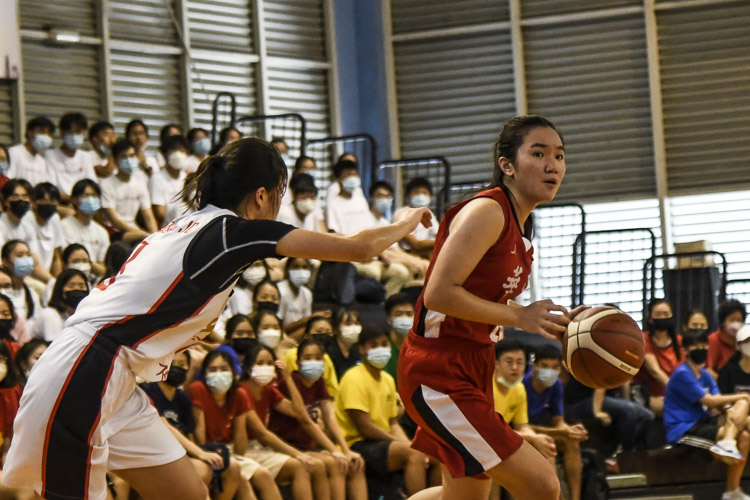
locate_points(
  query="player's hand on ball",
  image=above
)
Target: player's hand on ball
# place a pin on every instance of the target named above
(575, 312)
(413, 216)
(540, 317)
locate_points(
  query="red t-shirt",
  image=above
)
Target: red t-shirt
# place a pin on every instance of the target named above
(719, 351)
(269, 397)
(9, 398)
(667, 360)
(501, 274)
(218, 418)
(286, 427)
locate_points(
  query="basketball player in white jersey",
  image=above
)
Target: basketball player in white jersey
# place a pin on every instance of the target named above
(81, 412)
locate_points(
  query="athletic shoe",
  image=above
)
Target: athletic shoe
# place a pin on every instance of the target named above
(737, 494)
(727, 448)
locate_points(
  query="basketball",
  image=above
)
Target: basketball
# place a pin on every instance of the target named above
(603, 347)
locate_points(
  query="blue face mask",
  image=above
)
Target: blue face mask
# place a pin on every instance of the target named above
(41, 142)
(202, 146)
(4, 166)
(128, 165)
(351, 184)
(23, 266)
(547, 376)
(311, 369)
(382, 205)
(104, 150)
(90, 205)
(73, 141)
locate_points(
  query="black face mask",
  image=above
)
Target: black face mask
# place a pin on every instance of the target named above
(697, 331)
(243, 344)
(324, 339)
(176, 376)
(268, 306)
(19, 207)
(6, 325)
(663, 323)
(46, 210)
(74, 297)
(698, 356)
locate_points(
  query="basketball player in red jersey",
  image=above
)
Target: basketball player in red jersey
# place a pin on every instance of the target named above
(482, 260)
(82, 413)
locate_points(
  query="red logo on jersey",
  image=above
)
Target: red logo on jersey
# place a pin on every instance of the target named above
(164, 372)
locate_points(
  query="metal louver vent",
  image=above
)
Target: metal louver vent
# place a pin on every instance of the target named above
(421, 15)
(295, 28)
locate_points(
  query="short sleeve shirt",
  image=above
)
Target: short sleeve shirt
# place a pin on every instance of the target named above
(543, 405)
(24, 165)
(719, 351)
(165, 191)
(178, 411)
(294, 307)
(286, 427)
(512, 406)
(329, 371)
(127, 198)
(269, 398)
(218, 418)
(67, 170)
(732, 378)
(49, 237)
(682, 406)
(93, 236)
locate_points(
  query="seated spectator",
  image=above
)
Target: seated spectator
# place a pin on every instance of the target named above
(68, 163)
(241, 301)
(286, 463)
(240, 335)
(220, 410)
(136, 133)
(4, 165)
(296, 299)
(422, 240)
(82, 228)
(734, 377)
(8, 321)
(268, 331)
(318, 328)
(343, 350)
(101, 137)
(696, 414)
(226, 135)
(367, 411)
(695, 320)
(663, 352)
(124, 196)
(76, 257)
(16, 223)
(345, 468)
(167, 131)
(304, 165)
(200, 145)
(10, 396)
(347, 211)
(166, 184)
(175, 407)
(27, 356)
(722, 344)
(266, 296)
(71, 287)
(19, 263)
(47, 225)
(304, 210)
(544, 393)
(400, 311)
(27, 160)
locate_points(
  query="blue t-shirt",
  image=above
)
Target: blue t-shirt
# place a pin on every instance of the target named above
(178, 411)
(682, 406)
(543, 405)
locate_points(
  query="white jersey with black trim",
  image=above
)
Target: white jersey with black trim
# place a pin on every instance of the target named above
(169, 293)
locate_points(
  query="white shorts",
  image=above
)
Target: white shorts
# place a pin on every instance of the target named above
(81, 415)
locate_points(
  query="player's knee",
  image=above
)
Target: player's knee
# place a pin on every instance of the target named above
(549, 487)
(195, 490)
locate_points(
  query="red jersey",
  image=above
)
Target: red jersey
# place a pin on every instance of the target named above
(218, 419)
(719, 351)
(269, 398)
(667, 359)
(500, 275)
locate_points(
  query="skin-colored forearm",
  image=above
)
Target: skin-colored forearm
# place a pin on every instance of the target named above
(191, 448)
(598, 400)
(377, 240)
(332, 425)
(717, 400)
(456, 301)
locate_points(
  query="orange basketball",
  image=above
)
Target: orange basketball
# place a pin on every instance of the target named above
(603, 347)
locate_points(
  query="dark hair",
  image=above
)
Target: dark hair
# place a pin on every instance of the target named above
(120, 147)
(419, 182)
(511, 138)
(371, 332)
(258, 317)
(5, 148)
(117, 253)
(397, 299)
(23, 354)
(69, 120)
(9, 303)
(187, 355)
(688, 315)
(80, 186)
(172, 143)
(164, 132)
(40, 122)
(238, 170)
(547, 351)
(342, 165)
(278, 140)
(672, 331)
(135, 122)
(232, 324)
(56, 299)
(73, 247)
(99, 127)
(289, 261)
(252, 357)
(380, 184)
(338, 319)
(9, 246)
(5, 253)
(241, 281)
(224, 133)
(508, 345)
(314, 319)
(219, 353)
(730, 306)
(12, 184)
(302, 159)
(43, 189)
(345, 154)
(303, 183)
(308, 342)
(693, 337)
(11, 378)
(193, 132)
(263, 282)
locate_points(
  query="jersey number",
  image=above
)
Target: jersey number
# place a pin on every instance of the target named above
(106, 283)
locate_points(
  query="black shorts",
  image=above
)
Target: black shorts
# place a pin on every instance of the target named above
(375, 454)
(706, 428)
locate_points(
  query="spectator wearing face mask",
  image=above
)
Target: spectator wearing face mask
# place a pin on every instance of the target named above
(240, 335)
(304, 210)
(27, 356)
(400, 311)
(71, 287)
(722, 344)
(200, 145)
(269, 332)
(422, 240)
(68, 163)
(83, 228)
(168, 130)
(136, 132)
(735, 375)
(101, 137)
(344, 352)
(347, 211)
(27, 159)
(74, 256)
(46, 223)
(295, 299)
(166, 184)
(266, 296)
(8, 320)
(19, 263)
(318, 328)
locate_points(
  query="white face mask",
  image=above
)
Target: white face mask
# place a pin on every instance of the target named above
(254, 275)
(350, 333)
(219, 382)
(351, 183)
(420, 200)
(270, 337)
(402, 324)
(299, 277)
(732, 328)
(305, 206)
(502, 381)
(178, 160)
(547, 376)
(263, 374)
(84, 267)
(379, 357)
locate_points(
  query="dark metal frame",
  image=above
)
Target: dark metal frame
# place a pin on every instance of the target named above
(443, 194)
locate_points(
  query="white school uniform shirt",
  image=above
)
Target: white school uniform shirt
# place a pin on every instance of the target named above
(311, 222)
(49, 237)
(348, 216)
(127, 198)
(65, 171)
(24, 165)
(48, 325)
(92, 236)
(95, 160)
(170, 292)
(421, 232)
(192, 164)
(25, 231)
(165, 191)
(294, 307)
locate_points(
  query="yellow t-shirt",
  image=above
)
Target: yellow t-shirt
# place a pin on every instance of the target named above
(329, 372)
(512, 406)
(358, 390)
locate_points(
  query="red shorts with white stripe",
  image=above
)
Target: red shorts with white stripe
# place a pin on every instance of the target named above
(446, 387)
